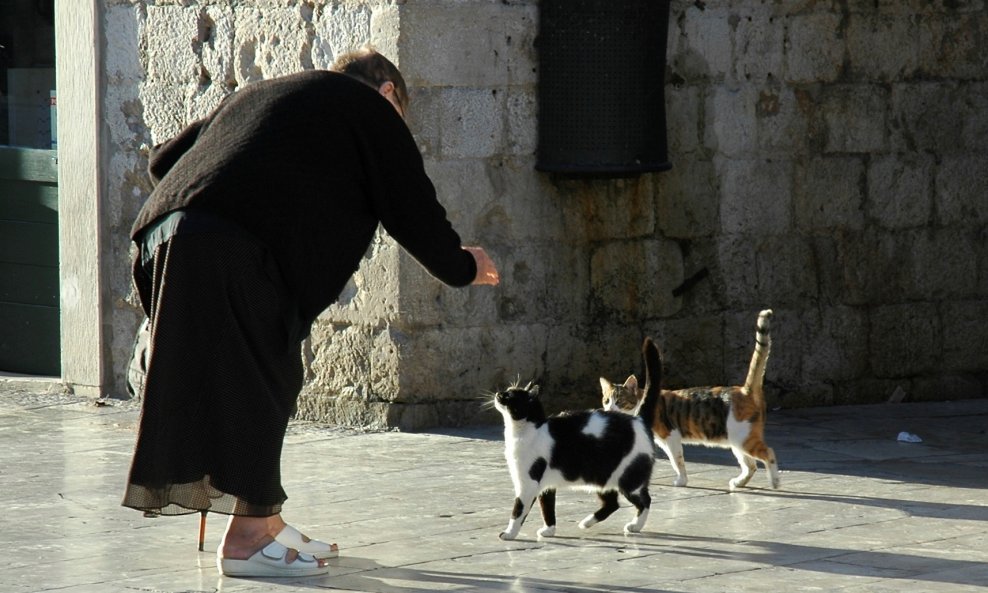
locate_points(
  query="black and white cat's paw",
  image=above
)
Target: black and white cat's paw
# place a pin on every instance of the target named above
(588, 522)
(632, 527)
(547, 531)
(507, 536)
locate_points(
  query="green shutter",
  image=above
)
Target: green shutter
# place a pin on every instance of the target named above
(29, 325)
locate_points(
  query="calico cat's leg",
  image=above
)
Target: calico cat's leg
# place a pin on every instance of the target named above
(672, 446)
(748, 468)
(523, 504)
(642, 502)
(766, 455)
(609, 504)
(547, 502)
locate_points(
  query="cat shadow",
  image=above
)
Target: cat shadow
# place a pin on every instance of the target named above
(914, 508)
(874, 563)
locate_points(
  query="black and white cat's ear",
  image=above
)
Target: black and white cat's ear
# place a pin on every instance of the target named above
(631, 382)
(532, 388)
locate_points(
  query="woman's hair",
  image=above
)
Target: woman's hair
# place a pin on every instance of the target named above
(372, 68)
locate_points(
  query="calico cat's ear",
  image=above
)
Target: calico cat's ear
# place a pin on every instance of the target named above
(631, 382)
(605, 385)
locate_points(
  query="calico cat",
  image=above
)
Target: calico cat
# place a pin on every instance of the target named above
(609, 452)
(730, 417)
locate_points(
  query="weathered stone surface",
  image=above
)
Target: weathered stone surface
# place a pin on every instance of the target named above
(755, 195)
(961, 190)
(635, 280)
(815, 49)
(828, 194)
(903, 340)
(899, 188)
(829, 162)
(855, 118)
(965, 336)
(688, 200)
(883, 47)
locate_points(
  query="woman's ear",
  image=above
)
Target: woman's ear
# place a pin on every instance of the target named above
(386, 88)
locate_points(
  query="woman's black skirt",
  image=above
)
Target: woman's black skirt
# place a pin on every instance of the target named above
(223, 376)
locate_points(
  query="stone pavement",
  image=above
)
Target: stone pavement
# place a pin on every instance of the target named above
(857, 512)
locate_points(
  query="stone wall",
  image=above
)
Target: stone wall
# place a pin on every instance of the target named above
(827, 164)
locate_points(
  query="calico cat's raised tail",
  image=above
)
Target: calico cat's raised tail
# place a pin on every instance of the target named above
(610, 452)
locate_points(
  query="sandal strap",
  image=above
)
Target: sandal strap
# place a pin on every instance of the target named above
(292, 538)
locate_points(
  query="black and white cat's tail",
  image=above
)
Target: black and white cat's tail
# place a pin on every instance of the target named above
(759, 358)
(653, 381)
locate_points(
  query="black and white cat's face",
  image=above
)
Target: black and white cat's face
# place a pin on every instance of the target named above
(520, 403)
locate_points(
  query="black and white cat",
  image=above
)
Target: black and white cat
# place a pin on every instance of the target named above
(609, 452)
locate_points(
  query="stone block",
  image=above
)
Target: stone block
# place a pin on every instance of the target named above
(269, 42)
(337, 29)
(855, 118)
(371, 296)
(521, 108)
(961, 190)
(698, 45)
(599, 209)
(730, 121)
(755, 196)
(693, 351)
(759, 43)
(342, 362)
(815, 48)
(465, 190)
(972, 106)
(468, 43)
(462, 364)
(899, 190)
(425, 107)
(578, 355)
(635, 280)
(882, 47)
(683, 108)
(829, 194)
(965, 335)
(939, 117)
(164, 110)
(954, 46)
(123, 27)
(782, 122)
(909, 265)
(946, 388)
(765, 271)
(868, 391)
(942, 264)
(871, 267)
(471, 123)
(170, 36)
(835, 343)
(904, 340)
(385, 30)
(688, 200)
(215, 46)
(526, 207)
(805, 395)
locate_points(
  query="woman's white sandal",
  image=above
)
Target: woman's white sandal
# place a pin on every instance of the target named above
(269, 561)
(293, 538)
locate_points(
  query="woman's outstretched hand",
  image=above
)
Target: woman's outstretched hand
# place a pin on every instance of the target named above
(486, 270)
